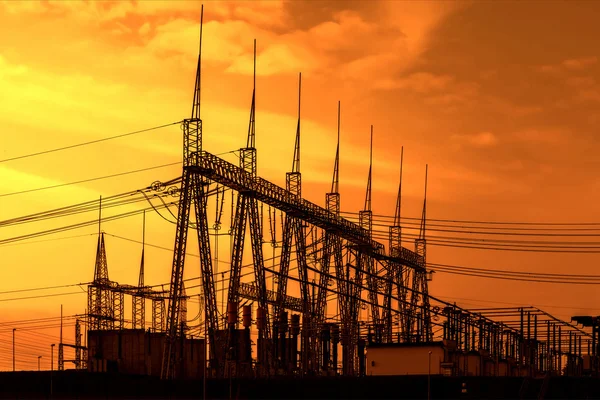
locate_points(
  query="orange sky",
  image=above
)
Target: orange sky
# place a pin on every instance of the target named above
(500, 99)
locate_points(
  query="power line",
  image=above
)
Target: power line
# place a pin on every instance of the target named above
(525, 273)
(480, 232)
(111, 201)
(503, 247)
(93, 205)
(86, 223)
(508, 278)
(522, 304)
(74, 226)
(50, 240)
(516, 249)
(416, 225)
(485, 222)
(37, 327)
(41, 296)
(87, 143)
(89, 180)
(383, 233)
(27, 321)
(148, 244)
(42, 288)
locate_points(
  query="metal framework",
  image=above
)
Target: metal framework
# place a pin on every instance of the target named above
(247, 211)
(418, 317)
(192, 192)
(106, 298)
(293, 229)
(527, 339)
(80, 360)
(332, 252)
(395, 274)
(390, 287)
(357, 258)
(100, 294)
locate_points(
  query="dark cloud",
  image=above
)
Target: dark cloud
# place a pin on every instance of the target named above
(306, 15)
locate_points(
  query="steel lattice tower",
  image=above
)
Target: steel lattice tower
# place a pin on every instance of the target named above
(366, 222)
(332, 248)
(420, 295)
(247, 211)
(100, 296)
(193, 186)
(293, 229)
(395, 271)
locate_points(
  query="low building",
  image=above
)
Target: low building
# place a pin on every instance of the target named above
(470, 363)
(139, 352)
(405, 358)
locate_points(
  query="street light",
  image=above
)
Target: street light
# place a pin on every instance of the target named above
(14, 329)
(429, 378)
(39, 358)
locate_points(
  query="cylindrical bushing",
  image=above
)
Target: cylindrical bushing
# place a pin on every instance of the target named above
(260, 318)
(231, 313)
(247, 316)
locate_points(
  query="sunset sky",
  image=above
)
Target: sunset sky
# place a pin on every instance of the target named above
(500, 99)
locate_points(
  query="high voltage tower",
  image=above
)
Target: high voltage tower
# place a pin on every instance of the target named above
(315, 238)
(106, 298)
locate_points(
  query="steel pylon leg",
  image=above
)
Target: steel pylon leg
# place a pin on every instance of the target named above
(208, 285)
(183, 218)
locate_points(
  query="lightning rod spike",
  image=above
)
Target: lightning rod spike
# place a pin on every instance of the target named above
(336, 166)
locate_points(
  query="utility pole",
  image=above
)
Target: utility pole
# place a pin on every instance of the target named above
(51, 365)
(61, 358)
(14, 329)
(429, 378)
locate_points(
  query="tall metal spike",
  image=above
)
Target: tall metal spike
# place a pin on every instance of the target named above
(296, 163)
(100, 270)
(101, 267)
(248, 154)
(399, 200)
(197, 86)
(251, 142)
(335, 184)
(368, 195)
(294, 178)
